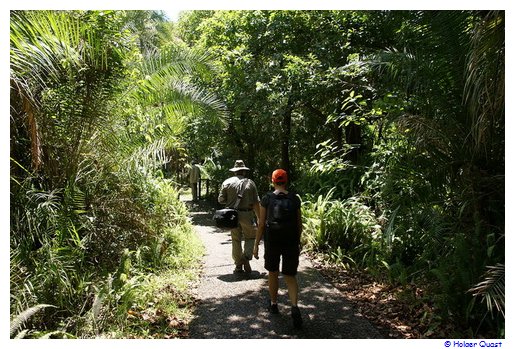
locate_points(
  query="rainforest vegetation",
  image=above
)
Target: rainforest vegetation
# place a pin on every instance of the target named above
(390, 123)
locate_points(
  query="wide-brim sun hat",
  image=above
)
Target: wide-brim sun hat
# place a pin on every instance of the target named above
(238, 166)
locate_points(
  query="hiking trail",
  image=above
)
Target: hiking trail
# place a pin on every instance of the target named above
(235, 305)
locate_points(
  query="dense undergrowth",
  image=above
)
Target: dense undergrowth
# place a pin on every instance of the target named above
(132, 284)
(98, 237)
(425, 285)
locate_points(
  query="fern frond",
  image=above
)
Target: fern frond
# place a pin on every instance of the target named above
(25, 316)
(21, 334)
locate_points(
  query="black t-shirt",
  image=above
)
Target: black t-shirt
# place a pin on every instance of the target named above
(288, 235)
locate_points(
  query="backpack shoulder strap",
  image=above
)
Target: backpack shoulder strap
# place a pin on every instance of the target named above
(241, 187)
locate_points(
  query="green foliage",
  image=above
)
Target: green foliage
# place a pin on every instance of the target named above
(347, 229)
(420, 175)
(493, 289)
(390, 123)
(92, 124)
(63, 272)
(125, 301)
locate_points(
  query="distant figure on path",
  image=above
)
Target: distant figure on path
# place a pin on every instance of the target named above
(280, 222)
(248, 211)
(194, 176)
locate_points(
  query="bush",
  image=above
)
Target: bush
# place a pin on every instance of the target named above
(348, 226)
(91, 262)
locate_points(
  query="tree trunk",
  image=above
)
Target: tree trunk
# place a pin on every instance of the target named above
(353, 137)
(285, 138)
(337, 131)
(35, 140)
(248, 153)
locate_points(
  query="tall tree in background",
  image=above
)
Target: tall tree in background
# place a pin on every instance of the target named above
(282, 76)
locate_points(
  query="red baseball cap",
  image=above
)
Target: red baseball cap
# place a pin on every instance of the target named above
(279, 176)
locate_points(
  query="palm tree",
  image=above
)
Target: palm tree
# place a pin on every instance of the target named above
(50, 49)
(82, 100)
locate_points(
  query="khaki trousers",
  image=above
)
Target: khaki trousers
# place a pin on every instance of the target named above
(194, 191)
(246, 233)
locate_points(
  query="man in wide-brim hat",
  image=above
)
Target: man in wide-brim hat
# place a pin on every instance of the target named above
(239, 165)
(248, 211)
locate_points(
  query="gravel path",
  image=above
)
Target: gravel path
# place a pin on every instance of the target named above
(234, 305)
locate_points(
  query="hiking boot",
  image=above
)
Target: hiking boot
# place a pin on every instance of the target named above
(238, 269)
(246, 265)
(273, 308)
(297, 319)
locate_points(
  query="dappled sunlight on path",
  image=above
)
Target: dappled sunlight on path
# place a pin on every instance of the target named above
(234, 305)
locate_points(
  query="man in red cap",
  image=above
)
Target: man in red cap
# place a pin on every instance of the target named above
(280, 222)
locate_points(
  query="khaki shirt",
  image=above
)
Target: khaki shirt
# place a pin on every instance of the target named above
(229, 193)
(194, 174)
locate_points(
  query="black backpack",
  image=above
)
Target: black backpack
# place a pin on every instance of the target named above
(282, 214)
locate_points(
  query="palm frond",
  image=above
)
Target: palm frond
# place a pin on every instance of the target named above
(485, 81)
(492, 288)
(168, 81)
(427, 135)
(45, 45)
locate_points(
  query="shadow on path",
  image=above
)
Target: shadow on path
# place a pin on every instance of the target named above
(201, 213)
(234, 305)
